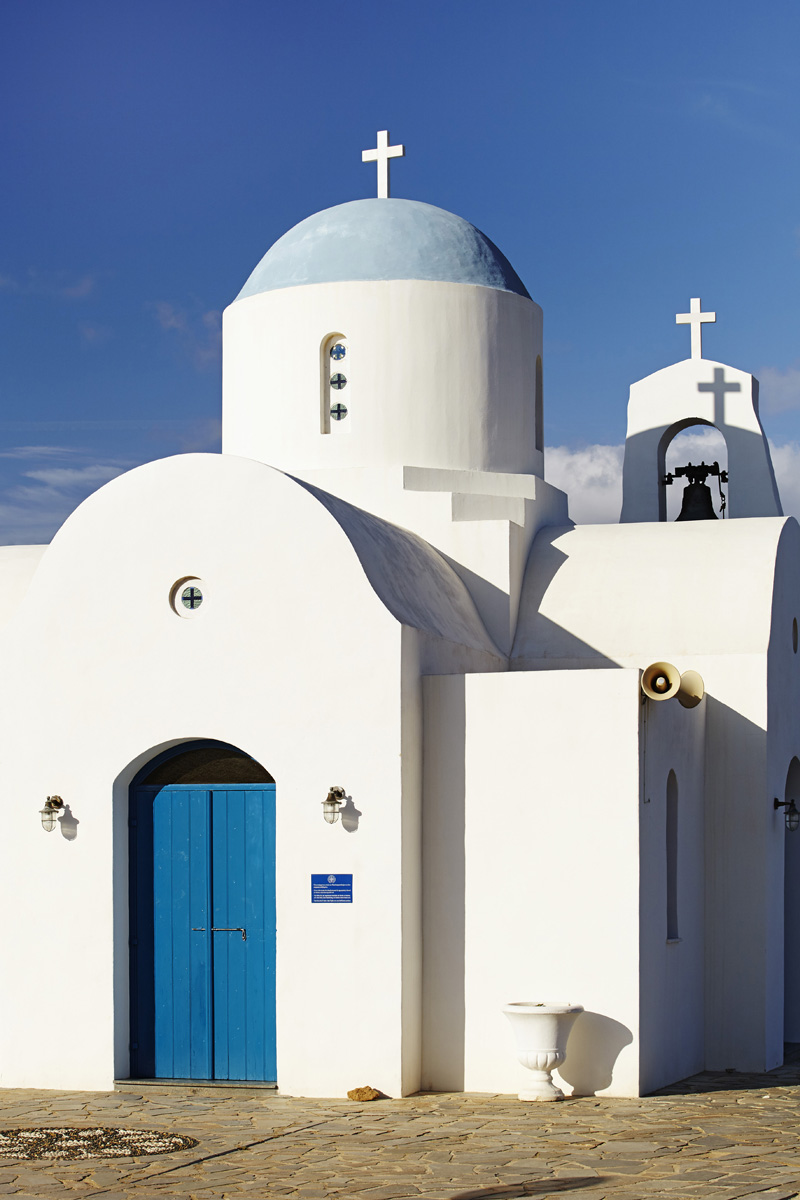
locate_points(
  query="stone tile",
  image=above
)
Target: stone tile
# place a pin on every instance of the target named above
(696, 1144)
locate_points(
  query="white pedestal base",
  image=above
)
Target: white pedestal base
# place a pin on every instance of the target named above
(541, 1031)
(542, 1088)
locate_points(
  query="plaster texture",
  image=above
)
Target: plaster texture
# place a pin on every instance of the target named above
(531, 850)
(383, 238)
(395, 602)
(220, 675)
(410, 400)
(17, 567)
(697, 391)
(731, 597)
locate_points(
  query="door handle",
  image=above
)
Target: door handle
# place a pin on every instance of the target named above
(230, 929)
(222, 929)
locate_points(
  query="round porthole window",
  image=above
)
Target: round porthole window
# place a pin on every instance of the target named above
(338, 381)
(338, 351)
(187, 596)
(191, 597)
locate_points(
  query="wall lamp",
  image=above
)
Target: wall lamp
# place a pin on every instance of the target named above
(791, 813)
(49, 813)
(332, 804)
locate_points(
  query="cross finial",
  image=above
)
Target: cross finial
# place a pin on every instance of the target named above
(696, 319)
(381, 155)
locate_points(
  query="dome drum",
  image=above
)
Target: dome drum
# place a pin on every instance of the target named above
(437, 374)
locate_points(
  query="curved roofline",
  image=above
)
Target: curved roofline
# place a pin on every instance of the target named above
(369, 240)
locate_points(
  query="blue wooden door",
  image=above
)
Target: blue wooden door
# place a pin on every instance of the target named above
(203, 932)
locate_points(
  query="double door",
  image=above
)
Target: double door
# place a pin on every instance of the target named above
(202, 932)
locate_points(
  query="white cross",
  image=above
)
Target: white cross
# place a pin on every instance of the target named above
(381, 155)
(697, 320)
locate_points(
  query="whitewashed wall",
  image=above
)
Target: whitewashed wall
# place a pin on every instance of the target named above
(783, 745)
(700, 595)
(484, 522)
(531, 867)
(294, 659)
(439, 375)
(672, 979)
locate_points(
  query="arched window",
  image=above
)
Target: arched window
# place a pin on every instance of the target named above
(539, 402)
(334, 373)
(672, 857)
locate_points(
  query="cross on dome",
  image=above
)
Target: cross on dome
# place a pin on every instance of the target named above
(381, 155)
(696, 319)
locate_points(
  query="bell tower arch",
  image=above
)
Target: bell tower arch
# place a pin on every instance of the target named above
(696, 391)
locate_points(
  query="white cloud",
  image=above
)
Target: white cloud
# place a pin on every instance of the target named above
(54, 284)
(713, 106)
(80, 478)
(786, 461)
(592, 475)
(199, 333)
(170, 317)
(697, 445)
(93, 335)
(592, 478)
(41, 485)
(204, 434)
(38, 452)
(779, 390)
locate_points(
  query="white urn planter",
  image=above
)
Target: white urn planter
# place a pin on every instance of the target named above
(541, 1031)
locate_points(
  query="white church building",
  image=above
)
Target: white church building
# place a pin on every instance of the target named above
(373, 592)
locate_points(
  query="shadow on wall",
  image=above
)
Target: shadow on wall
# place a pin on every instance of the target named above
(68, 824)
(443, 887)
(540, 643)
(791, 900)
(350, 816)
(592, 1051)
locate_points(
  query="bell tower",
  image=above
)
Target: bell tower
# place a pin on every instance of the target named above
(697, 391)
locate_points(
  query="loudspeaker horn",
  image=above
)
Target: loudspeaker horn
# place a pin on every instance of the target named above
(662, 681)
(691, 691)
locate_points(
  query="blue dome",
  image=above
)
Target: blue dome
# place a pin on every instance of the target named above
(383, 239)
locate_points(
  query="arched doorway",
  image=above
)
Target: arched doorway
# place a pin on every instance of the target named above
(202, 916)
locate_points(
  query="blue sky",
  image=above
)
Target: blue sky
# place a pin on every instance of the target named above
(624, 156)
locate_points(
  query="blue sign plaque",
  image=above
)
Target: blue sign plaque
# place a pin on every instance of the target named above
(331, 889)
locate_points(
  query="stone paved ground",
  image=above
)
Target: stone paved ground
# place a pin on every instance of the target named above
(717, 1137)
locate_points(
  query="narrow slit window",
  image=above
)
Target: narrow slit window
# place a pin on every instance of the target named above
(672, 858)
(334, 382)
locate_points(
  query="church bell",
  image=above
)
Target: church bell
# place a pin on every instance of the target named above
(697, 503)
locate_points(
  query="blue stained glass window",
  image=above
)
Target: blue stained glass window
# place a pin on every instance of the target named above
(338, 351)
